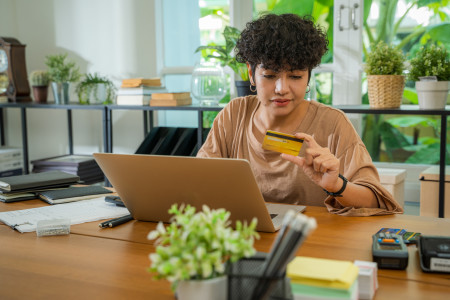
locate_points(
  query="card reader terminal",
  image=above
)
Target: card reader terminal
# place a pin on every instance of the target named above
(389, 251)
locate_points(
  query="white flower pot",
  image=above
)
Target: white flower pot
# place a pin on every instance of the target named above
(216, 288)
(432, 94)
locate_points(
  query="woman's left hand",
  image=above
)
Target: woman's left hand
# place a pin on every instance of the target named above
(319, 164)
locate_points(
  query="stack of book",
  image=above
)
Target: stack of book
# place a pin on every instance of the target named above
(138, 91)
(11, 161)
(171, 99)
(318, 278)
(84, 166)
(25, 187)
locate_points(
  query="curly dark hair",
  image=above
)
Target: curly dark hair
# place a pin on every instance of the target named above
(280, 41)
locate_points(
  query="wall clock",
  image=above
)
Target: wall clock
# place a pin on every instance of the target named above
(13, 71)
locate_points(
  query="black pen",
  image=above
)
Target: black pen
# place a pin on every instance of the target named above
(116, 222)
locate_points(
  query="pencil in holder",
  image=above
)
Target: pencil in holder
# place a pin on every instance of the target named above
(245, 281)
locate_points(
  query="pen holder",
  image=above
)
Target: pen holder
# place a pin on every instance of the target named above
(244, 276)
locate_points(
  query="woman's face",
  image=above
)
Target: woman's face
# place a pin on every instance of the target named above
(280, 92)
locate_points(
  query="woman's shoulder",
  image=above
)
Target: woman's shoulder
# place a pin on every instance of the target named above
(241, 105)
(243, 102)
(324, 109)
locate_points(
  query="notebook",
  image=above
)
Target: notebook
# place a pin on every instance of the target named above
(37, 181)
(149, 185)
(73, 193)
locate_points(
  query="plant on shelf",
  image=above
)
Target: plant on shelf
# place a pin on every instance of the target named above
(95, 89)
(225, 55)
(39, 78)
(430, 69)
(39, 81)
(196, 247)
(384, 67)
(61, 73)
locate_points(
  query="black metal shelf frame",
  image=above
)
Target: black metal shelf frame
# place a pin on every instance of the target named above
(107, 112)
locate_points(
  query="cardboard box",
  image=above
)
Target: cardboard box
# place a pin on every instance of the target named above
(394, 181)
(429, 192)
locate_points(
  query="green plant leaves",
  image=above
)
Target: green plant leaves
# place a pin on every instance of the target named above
(440, 32)
(197, 245)
(61, 70)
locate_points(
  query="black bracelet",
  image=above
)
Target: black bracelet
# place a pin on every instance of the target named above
(338, 193)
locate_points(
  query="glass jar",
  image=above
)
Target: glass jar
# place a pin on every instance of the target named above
(208, 83)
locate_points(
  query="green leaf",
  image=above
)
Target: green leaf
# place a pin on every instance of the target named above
(409, 121)
(422, 3)
(371, 136)
(392, 137)
(440, 32)
(301, 8)
(427, 155)
(411, 95)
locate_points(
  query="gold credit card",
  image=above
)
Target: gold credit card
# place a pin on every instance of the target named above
(282, 142)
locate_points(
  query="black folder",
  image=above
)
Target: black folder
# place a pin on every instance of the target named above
(73, 194)
(37, 181)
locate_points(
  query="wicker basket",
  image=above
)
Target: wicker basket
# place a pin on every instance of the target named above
(385, 91)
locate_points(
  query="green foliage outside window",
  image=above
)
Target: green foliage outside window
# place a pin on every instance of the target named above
(400, 139)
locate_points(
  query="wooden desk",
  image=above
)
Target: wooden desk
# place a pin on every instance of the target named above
(111, 263)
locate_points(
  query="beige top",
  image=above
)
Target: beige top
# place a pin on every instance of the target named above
(233, 135)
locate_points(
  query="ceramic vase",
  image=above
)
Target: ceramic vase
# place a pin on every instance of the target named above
(243, 88)
(432, 94)
(40, 93)
(215, 288)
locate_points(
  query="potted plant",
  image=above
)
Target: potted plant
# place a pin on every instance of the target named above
(39, 80)
(430, 69)
(61, 73)
(193, 251)
(95, 89)
(225, 54)
(384, 68)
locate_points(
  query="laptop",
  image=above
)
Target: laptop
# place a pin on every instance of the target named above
(148, 185)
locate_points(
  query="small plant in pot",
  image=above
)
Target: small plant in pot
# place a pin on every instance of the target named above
(95, 89)
(225, 55)
(430, 69)
(384, 68)
(39, 81)
(194, 250)
(61, 73)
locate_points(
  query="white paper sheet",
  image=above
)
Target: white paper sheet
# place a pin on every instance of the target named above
(77, 212)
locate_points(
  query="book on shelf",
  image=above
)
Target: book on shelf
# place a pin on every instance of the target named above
(13, 172)
(83, 166)
(142, 90)
(133, 99)
(11, 165)
(170, 102)
(66, 160)
(171, 96)
(135, 82)
(35, 181)
(80, 171)
(72, 194)
(10, 153)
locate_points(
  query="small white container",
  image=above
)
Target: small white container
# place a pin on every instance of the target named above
(53, 227)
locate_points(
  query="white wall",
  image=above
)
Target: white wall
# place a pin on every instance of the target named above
(115, 38)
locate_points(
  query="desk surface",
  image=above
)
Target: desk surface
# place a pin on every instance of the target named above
(111, 263)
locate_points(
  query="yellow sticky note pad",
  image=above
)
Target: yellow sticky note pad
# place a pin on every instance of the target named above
(329, 273)
(282, 142)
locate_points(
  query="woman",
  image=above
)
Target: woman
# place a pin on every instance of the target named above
(333, 168)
